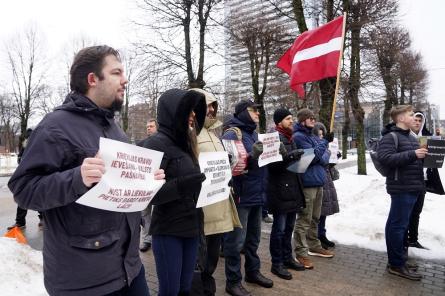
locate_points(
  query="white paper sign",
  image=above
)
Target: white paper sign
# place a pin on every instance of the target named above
(271, 149)
(128, 184)
(215, 188)
(333, 148)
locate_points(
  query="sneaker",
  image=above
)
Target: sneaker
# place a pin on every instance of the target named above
(405, 273)
(268, 219)
(417, 245)
(307, 263)
(325, 243)
(321, 253)
(21, 226)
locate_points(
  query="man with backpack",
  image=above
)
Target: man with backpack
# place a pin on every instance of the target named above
(398, 151)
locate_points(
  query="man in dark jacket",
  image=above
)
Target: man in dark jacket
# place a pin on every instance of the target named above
(404, 182)
(306, 231)
(86, 251)
(250, 189)
(285, 198)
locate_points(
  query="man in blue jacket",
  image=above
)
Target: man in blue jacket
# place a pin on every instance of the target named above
(250, 189)
(405, 184)
(306, 231)
(86, 251)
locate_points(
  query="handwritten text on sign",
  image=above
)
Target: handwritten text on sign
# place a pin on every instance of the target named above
(271, 148)
(128, 184)
(216, 167)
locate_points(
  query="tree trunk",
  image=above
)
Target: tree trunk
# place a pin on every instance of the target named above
(345, 130)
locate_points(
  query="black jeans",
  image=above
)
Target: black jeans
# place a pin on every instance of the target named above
(211, 261)
(138, 287)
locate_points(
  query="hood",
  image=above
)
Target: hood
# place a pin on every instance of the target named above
(210, 123)
(174, 107)
(301, 128)
(319, 126)
(423, 131)
(392, 127)
(76, 102)
(241, 121)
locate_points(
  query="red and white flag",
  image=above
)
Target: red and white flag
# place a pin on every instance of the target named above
(314, 55)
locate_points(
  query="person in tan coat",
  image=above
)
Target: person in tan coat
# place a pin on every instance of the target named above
(220, 217)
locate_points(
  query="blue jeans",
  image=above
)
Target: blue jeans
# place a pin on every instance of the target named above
(138, 287)
(280, 245)
(249, 237)
(402, 205)
(175, 259)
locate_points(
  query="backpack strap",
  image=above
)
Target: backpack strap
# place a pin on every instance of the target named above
(396, 142)
(237, 131)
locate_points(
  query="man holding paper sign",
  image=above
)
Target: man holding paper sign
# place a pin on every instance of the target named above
(86, 251)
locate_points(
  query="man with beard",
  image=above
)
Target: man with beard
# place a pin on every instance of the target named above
(86, 251)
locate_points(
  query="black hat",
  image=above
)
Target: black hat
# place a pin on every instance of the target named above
(280, 114)
(243, 105)
(304, 114)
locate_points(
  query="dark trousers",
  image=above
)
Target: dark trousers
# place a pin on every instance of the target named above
(413, 228)
(20, 216)
(249, 237)
(280, 245)
(213, 243)
(322, 226)
(138, 287)
(175, 259)
(402, 205)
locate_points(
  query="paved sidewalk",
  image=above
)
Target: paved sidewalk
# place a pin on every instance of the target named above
(353, 271)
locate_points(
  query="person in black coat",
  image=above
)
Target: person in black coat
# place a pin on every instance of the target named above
(404, 183)
(285, 198)
(176, 222)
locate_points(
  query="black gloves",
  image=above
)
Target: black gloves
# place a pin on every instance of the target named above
(187, 185)
(329, 137)
(257, 149)
(295, 154)
(282, 150)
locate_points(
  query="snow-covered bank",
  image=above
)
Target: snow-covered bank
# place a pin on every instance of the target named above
(364, 207)
(20, 269)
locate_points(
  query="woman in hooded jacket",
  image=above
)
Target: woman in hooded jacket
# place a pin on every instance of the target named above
(176, 222)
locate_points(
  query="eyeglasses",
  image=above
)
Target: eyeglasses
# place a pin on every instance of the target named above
(312, 118)
(253, 109)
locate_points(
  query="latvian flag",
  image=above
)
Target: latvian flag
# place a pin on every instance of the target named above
(314, 55)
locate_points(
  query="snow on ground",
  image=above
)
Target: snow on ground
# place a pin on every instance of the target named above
(21, 269)
(364, 208)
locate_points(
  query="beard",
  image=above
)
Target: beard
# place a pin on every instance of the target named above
(116, 106)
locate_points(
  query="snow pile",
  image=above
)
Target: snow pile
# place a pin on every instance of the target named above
(21, 269)
(364, 208)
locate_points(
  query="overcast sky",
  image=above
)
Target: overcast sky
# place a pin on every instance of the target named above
(107, 21)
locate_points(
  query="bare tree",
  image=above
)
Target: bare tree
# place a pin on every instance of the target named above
(262, 39)
(26, 60)
(176, 24)
(8, 122)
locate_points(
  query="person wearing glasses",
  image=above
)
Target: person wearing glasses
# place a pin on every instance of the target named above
(249, 189)
(306, 226)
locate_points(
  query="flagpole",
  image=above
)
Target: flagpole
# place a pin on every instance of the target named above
(337, 83)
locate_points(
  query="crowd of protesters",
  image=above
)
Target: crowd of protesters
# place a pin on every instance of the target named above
(88, 251)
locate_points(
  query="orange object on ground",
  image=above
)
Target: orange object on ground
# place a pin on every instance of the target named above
(16, 233)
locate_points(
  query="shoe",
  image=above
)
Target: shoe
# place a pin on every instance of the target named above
(237, 290)
(405, 272)
(412, 265)
(292, 264)
(281, 272)
(21, 226)
(325, 243)
(321, 253)
(306, 262)
(417, 245)
(268, 219)
(259, 279)
(145, 247)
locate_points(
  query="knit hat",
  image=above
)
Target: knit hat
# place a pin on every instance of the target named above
(243, 105)
(280, 114)
(304, 114)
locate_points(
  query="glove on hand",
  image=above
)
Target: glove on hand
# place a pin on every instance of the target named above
(329, 137)
(296, 154)
(283, 150)
(257, 149)
(189, 184)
